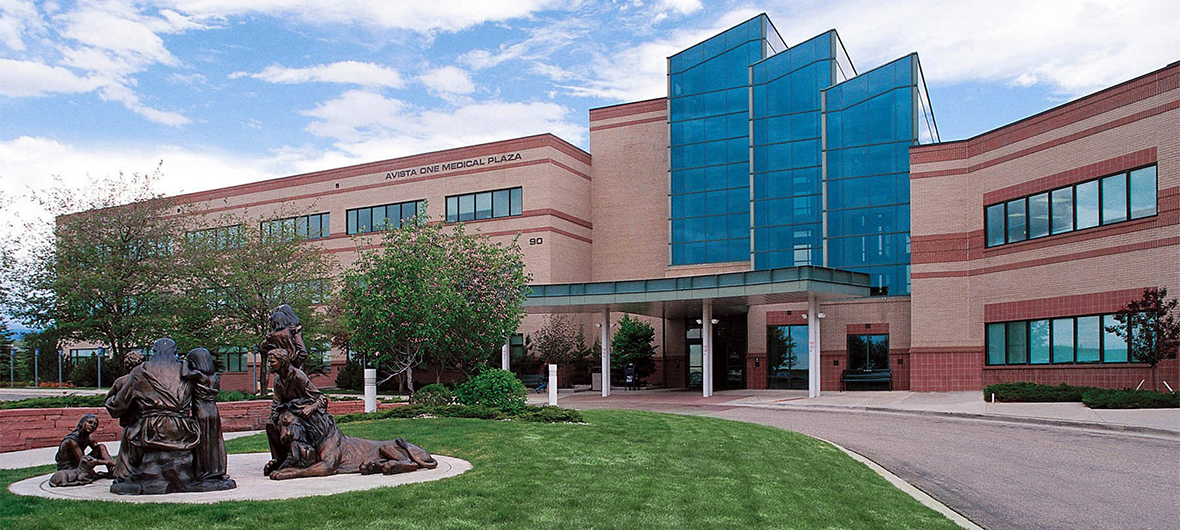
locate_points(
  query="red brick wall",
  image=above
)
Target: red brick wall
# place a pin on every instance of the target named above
(1100, 375)
(244, 381)
(945, 369)
(31, 428)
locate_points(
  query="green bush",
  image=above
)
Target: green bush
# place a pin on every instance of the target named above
(1035, 393)
(1103, 398)
(351, 376)
(551, 414)
(85, 371)
(55, 402)
(235, 395)
(434, 394)
(495, 388)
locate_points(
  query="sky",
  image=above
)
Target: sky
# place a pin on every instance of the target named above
(223, 92)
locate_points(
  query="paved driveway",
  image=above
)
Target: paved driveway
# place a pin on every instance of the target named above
(999, 475)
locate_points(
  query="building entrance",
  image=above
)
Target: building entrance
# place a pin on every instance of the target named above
(729, 353)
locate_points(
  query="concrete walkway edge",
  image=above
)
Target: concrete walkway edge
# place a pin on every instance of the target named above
(1076, 424)
(909, 489)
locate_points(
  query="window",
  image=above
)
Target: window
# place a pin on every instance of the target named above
(868, 352)
(82, 353)
(1070, 340)
(786, 357)
(484, 205)
(1104, 201)
(313, 226)
(378, 218)
(219, 238)
(995, 225)
(233, 361)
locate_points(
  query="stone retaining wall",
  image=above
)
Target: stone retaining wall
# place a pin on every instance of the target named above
(31, 428)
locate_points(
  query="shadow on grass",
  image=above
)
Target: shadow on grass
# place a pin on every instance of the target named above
(623, 469)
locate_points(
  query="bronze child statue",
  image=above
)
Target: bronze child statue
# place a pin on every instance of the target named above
(74, 466)
(209, 458)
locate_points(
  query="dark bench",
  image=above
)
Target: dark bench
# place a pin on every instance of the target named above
(867, 376)
(536, 382)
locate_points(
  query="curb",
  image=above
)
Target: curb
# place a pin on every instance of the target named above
(922, 497)
(1075, 424)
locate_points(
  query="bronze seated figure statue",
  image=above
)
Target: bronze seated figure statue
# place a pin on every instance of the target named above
(305, 441)
(74, 466)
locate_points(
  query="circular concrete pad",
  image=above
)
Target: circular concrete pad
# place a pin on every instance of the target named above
(246, 469)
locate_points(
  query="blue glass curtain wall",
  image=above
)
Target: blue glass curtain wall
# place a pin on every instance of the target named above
(871, 122)
(709, 152)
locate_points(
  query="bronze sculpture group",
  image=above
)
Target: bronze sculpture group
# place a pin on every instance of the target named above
(172, 439)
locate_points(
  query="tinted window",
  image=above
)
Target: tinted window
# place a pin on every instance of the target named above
(1063, 340)
(995, 225)
(500, 203)
(1017, 219)
(1062, 200)
(1089, 339)
(1114, 199)
(1086, 204)
(1017, 335)
(466, 207)
(452, 209)
(483, 205)
(1114, 347)
(1038, 215)
(1143, 190)
(1038, 342)
(996, 344)
(515, 208)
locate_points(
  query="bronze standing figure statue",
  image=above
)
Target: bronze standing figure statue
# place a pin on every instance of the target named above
(209, 458)
(74, 466)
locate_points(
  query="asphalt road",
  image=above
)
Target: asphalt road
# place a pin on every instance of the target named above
(1000, 475)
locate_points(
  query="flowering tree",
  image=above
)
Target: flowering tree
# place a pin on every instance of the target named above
(558, 342)
(432, 293)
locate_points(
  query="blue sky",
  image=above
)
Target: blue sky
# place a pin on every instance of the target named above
(231, 91)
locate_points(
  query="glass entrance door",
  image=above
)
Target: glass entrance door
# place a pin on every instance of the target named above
(786, 356)
(695, 349)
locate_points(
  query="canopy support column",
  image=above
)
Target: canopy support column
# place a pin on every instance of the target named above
(813, 346)
(605, 338)
(707, 348)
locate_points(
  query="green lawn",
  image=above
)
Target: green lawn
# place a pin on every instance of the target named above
(628, 470)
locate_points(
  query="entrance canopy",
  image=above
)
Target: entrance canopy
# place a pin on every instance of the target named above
(704, 296)
(681, 297)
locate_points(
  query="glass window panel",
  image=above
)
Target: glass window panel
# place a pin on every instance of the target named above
(1017, 341)
(500, 203)
(1017, 221)
(452, 209)
(1063, 340)
(1038, 215)
(1038, 342)
(466, 207)
(352, 221)
(516, 207)
(410, 210)
(1143, 192)
(1114, 199)
(996, 344)
(1086, 204)
(1114, 347)
(378, 213)
(301, 227)
(483, 205)
(1062, 204)
(995, 225)
(364, 220)
(393, 217)
(1089, 339)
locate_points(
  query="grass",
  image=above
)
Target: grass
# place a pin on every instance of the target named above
(622, 470)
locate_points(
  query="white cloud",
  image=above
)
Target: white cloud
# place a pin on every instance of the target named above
(683, 7)
(345, 72)
(28, 79)
(448, 80)
(18, 17)
(539, 45)
(1073, 47)
(119, 29)
(366, 126)
(418, 16)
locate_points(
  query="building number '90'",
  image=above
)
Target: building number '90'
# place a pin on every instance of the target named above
(536, 241)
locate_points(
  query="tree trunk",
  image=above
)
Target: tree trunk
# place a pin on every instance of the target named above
(410, 381)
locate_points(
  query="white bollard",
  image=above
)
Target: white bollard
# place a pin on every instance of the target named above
(553, 385)
(370, 389)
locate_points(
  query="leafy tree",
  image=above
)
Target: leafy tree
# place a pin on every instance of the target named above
(558, 342)
(1150, 327)
(432, 292)
(241, 268)
(103, 270)
(632, 343)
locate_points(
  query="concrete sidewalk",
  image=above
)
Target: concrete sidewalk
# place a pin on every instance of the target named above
(1164, 422)
(44, 455)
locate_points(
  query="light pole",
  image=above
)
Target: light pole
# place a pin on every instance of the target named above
(60, 352)
(36, 367)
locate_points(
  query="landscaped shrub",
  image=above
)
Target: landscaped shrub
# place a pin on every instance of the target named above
(1033, 392)
(85, 371)
(434, 394)
(55, 402)
(1104, 398)
(550, 414)
(236, 395)
(495, 388)
(351, 376)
